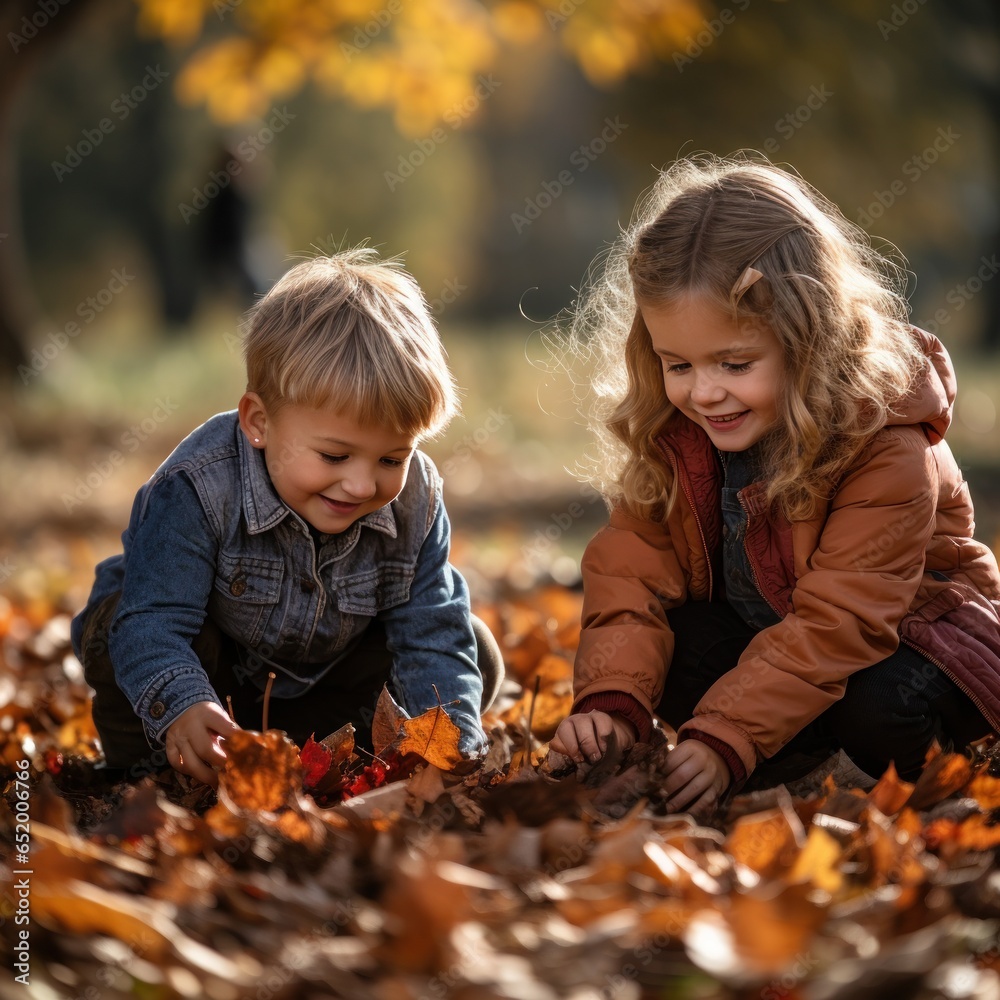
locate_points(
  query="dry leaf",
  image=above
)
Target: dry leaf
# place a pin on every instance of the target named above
(387, 723)
(818, 862)
(890, 793)
(945, 774)
(433, 736)
(262, 771)
(985, 789)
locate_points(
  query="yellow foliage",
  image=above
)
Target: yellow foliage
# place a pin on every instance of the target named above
(417, 60)
(518, 22)
(175, 20)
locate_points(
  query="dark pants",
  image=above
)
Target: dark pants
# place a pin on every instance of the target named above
(347, 693)
(891, 711)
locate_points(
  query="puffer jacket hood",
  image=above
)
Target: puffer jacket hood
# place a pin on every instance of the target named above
(932, 401)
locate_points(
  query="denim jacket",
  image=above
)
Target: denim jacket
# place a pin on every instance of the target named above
(209, 536)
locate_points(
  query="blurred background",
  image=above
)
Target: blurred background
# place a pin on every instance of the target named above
(162, 162)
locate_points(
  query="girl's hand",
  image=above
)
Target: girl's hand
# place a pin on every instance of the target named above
(194, 738)
(585, 736)
(697, 776)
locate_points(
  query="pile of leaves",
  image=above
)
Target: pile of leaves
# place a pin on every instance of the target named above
(319, 872)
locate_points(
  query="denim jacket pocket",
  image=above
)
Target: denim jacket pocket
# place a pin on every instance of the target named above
(374, 590)
(246, 592)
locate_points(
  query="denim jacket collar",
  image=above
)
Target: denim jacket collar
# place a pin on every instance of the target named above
(265, 510)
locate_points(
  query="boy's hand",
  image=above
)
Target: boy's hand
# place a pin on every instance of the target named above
(697, 776)
(584, 737)
(194, 738)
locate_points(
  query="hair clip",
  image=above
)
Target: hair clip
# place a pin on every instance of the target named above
(745, 280)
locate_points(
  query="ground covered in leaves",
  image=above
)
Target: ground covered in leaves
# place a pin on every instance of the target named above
(318, 872)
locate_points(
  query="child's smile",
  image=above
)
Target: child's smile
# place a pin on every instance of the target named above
(723, 376)
(325, 466)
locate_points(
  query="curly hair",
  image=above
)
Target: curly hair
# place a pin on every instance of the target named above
(835, 304)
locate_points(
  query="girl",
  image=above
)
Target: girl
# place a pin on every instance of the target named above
(302, 535)
(789, 565)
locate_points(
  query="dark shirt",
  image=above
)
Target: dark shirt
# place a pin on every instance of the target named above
(740, 470)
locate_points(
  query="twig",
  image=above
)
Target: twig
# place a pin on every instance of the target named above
(531, 711)
(267, 699)
(229, 706)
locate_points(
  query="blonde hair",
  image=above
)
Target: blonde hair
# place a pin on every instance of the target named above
(835, 305)
(351, 332)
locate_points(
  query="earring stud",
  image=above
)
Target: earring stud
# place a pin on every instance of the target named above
(256, 440)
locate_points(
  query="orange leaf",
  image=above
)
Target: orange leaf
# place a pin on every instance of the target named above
(764, 841)
(890, 793)
(262, 771)
(985, 790)
(553, 702)
(943, 775)
(974, 834)
(433, 736)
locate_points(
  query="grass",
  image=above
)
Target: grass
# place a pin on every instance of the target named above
(137, 392)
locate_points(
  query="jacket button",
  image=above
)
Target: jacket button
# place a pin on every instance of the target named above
(157, 709)
(238, 587)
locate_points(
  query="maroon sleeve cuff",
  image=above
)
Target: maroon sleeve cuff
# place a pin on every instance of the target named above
(724, 750)
(622, 704)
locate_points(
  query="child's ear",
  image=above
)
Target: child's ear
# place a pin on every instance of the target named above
(253, 419)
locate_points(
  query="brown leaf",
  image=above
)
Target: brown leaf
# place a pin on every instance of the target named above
(341, 745)
(388, 721)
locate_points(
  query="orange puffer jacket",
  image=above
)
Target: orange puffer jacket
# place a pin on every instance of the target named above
(890, 557)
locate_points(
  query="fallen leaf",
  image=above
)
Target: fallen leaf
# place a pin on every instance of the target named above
(387, 722)
(890, 793)
(945, 774)
(316, 759)
(433, 736)
(262, 770)
(766, 842)
(985, 789)
(818, 862)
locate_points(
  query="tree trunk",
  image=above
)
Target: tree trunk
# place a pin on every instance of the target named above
(32, 33)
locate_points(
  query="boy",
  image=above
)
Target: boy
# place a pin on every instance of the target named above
(302, 534)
